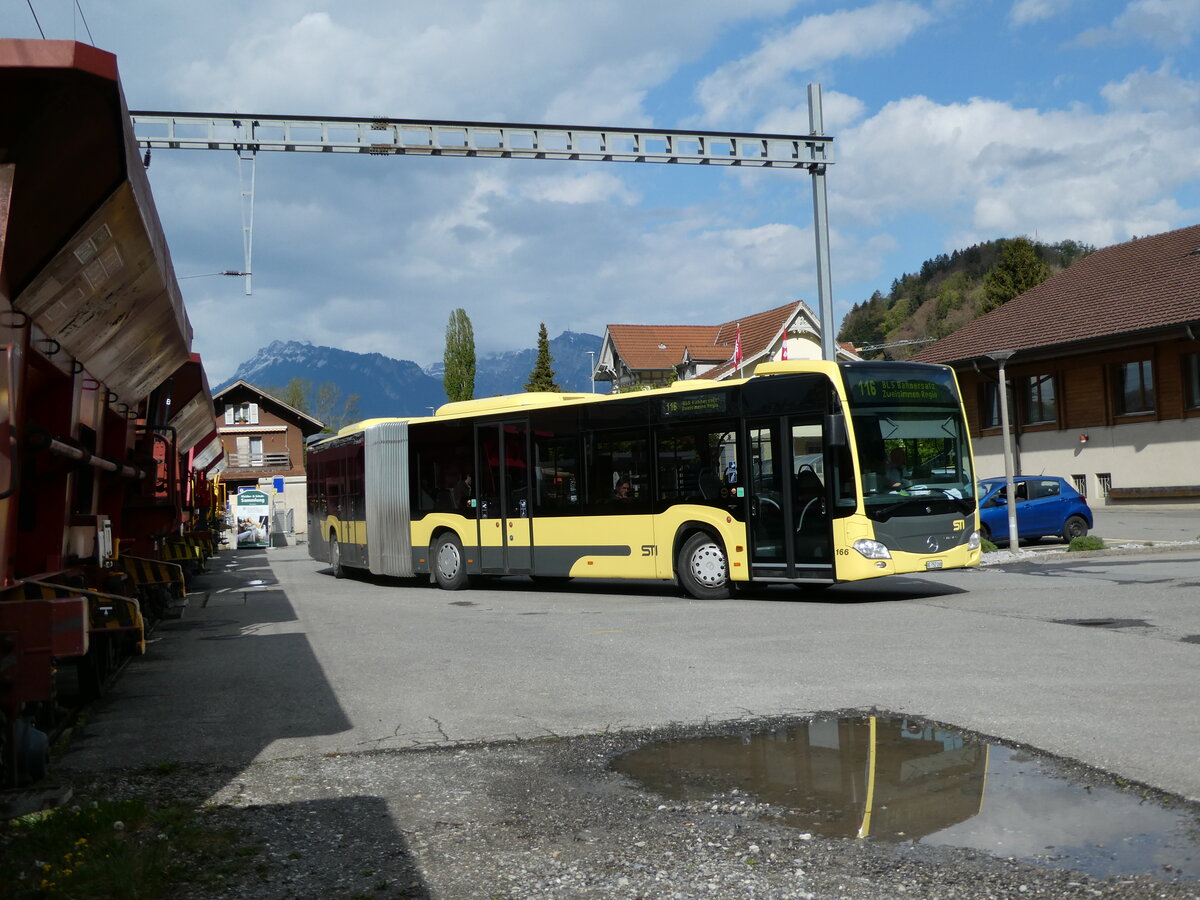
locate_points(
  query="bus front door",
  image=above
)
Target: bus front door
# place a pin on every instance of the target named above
(790, 535)
(505, 507)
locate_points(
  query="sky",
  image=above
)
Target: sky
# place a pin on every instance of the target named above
(954, 122)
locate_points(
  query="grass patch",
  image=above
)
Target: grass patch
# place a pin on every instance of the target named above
(1087, 542)
(126, 849)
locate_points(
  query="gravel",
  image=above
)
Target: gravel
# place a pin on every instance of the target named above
(550, 819)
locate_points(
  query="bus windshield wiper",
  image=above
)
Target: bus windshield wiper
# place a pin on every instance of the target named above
(964, 504)
(883, 513)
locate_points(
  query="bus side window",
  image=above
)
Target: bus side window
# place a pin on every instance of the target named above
(616, 455)
(556, 473)
(697, 463)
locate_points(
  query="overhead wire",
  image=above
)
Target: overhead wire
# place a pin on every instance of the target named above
(83, 18)
(35, 19)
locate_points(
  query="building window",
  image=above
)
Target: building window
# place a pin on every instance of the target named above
(1191, 381)
(1133, 388)
(989, 405)
(1080, 484)
(241, 414)
(1104, 479)
(1039, 400)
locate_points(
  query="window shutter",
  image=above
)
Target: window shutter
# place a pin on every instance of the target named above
(253, 413)
(228, 415)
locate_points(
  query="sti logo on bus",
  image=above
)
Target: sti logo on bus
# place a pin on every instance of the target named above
(960, 524)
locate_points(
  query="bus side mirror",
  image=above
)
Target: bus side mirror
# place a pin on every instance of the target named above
(835, 430)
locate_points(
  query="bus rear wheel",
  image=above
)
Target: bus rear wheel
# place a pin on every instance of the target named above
(703, 568)
(449, 563)
(335, 556)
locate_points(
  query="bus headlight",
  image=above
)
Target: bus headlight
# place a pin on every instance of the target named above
(872, 549)
(973, 541)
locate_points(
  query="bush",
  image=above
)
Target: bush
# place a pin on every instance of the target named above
(1088, 542)
(987, 546)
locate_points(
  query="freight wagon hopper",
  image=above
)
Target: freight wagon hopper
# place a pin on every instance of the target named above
(106, 423)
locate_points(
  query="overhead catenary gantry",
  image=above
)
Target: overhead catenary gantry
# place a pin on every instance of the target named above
(249, 134)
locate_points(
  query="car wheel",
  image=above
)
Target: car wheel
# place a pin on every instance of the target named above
(703, 569)
(1075, 526)
(335, 556)
(449, 563)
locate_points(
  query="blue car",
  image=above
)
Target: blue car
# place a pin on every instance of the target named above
(1046, 505)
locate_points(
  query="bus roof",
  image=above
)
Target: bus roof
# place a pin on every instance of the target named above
(543, 399)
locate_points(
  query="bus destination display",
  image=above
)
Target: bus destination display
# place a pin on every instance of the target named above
(877, 389)
(699, 404)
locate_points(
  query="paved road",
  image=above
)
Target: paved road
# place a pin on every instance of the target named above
(1164, 522)
(277, 658)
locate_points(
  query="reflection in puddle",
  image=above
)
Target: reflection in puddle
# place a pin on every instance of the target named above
(901, 780)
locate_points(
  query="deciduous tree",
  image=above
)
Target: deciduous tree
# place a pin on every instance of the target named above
(331, 409)
(296, 393)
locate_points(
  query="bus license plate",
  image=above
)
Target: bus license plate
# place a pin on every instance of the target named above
(933, 564)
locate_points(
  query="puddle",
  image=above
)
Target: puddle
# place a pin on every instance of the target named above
(899, 780)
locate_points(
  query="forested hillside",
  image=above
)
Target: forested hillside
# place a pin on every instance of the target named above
(950, 291)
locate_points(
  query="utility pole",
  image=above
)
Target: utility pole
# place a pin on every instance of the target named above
(1002, 357)
(816, 126)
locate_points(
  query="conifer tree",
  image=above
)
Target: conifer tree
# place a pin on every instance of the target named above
(1017, 270)
(459, 358)
(542, 376)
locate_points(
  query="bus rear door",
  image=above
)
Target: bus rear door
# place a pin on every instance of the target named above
(505, 504)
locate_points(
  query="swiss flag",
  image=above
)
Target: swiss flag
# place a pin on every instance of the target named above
(783, 355)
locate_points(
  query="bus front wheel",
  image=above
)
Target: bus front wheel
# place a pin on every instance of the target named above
(449, 563)
(703, 568)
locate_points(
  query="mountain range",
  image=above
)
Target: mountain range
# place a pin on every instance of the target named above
(399, 387)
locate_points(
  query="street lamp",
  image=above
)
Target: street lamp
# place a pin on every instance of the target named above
(592, 354)
(1002, 357)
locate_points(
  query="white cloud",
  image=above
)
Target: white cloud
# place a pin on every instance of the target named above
(516, 60)
(742, 86)
(1159, 90)
(1027, 12)
(839, 111)
(1163, 23)
(581, 186)
(1096, 177)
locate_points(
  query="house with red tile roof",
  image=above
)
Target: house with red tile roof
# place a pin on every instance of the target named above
(656, 355)
(1104, 378)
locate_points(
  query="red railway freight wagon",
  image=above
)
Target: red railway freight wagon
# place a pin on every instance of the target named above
(106, 419)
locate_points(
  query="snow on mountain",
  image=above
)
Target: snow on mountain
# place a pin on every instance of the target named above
(398, 387)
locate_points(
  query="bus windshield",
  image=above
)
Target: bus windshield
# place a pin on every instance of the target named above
(911, 437)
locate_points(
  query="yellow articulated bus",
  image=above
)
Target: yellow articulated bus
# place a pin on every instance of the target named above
(806, 473)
